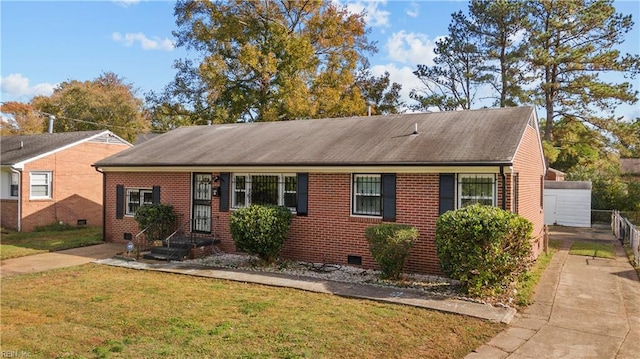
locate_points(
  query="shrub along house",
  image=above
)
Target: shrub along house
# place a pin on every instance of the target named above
(338, 176)
(47, 178)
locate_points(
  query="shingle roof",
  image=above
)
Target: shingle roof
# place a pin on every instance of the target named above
(16, 149)
(487, 136)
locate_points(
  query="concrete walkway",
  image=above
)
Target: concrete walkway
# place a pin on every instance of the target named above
(61, 259)
(583, 308)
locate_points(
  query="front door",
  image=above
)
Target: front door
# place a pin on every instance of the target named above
(201, 199)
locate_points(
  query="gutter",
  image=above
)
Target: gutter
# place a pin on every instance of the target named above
(504, 188)
(19, 173)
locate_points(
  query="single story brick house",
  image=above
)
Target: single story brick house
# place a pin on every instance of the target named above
(47, 178)
(338, 176)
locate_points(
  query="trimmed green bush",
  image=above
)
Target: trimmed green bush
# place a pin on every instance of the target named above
(390, 244)
(160, 218)
(261, 230)
(484, 247)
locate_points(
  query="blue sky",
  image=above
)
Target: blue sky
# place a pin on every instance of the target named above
(44, 43)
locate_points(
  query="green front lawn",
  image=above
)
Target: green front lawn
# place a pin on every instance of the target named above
(20, 244)
(592, 249)
(99, 311)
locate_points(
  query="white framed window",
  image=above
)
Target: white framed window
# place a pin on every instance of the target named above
(278, 189)
(366, 195)
(137, 197)
(476, 188)
(40, 185)
(15, 184)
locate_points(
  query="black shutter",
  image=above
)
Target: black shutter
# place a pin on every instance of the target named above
(389, 197)
(156, 195)
(447, 192)
(119, 201)
(224, 191)
(302, 193)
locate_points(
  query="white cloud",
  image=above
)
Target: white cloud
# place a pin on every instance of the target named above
(155, 43)
(126, 3)
(412, 10)
(411, 48)
(374, 15)
(402, 75)
(16, 87)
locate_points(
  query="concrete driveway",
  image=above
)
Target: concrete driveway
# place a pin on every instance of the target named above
(61, 259)
(583, 307)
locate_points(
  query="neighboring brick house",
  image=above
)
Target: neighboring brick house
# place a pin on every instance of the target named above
(48, 178)
(338, 176)
(555, 175)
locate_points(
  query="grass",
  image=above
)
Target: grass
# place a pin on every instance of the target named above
(592, 249)
(100, 311)
(529, 280)
(19, 244)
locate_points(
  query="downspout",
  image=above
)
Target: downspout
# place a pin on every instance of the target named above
(504, 188)
(19, 197)
(104, 201)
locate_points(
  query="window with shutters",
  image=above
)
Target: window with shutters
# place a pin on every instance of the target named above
(269, 189)
(40, 185)
(366, 195)
(135, 198)
(476, 188)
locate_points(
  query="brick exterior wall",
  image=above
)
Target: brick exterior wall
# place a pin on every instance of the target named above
(327, 234)
(76, 186)
(9, 213)
(529, 165)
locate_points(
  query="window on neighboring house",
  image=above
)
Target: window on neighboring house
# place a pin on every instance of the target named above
(136, 197)
(367, 195)
(15, 180)
(476, 188)
(40, 185)
(268, 189)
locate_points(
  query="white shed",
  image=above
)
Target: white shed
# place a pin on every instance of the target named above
(567, 203)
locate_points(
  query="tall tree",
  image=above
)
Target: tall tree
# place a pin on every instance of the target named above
(572, 42)
(499, 28)
(453, 81)
(107, 102)
(269, 60)
(19, 118)
(379, 93)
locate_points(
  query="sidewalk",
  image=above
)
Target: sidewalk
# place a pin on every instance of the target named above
(583, 308)
(61, 259)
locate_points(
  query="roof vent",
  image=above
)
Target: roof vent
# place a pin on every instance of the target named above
(415, 129)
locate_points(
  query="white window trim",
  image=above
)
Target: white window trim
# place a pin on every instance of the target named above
(458, 188)
(247, 190)
(49, 180)
(353, 195)
(141, 191)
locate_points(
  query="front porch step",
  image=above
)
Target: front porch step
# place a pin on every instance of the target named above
(164, 253)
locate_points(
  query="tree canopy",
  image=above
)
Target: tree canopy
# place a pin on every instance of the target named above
(268, 61)
(106, 102)
(20, 119)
